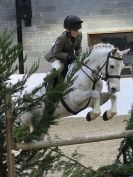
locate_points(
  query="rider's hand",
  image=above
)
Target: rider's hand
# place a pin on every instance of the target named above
(70, 59)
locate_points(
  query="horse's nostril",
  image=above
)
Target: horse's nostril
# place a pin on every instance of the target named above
(113, 89)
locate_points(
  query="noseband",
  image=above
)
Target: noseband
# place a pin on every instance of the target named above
(107, 75)
(106, 64)
(94, 80)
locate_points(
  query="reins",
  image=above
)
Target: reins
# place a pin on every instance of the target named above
(94, 80)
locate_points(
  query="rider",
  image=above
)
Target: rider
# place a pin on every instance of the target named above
(67, 46)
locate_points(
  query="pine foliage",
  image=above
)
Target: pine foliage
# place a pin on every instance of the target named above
(126, 147)
(30, 163)
(8, 55)
(37, 163)
(42, 161)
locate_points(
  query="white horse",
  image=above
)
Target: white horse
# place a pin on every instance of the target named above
(104, 63)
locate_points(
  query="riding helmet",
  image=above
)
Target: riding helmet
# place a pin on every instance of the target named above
(72, 22)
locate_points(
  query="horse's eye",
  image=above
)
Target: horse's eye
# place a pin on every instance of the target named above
(112, 66)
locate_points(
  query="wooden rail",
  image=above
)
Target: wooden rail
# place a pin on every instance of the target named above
(74, 140)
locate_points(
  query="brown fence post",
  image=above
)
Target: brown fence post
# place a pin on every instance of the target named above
(9, 136)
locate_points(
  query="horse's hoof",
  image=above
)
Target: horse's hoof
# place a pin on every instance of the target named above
(91, 116)
(108, 115)
(88, 116)
(105, 117)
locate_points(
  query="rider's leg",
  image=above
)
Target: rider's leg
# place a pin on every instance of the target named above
(57, 64)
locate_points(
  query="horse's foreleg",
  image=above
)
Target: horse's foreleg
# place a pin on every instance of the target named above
(113, 111)
(96, 105)
(104, 97)
(114, 104)
(76, 100)
(96, 109)
(79, 99)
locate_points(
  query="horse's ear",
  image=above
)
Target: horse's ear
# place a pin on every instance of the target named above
(125, 51)
(114, 51)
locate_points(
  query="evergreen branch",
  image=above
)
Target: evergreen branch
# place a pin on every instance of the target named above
(57, 150)
(81, 169)
(126, 146)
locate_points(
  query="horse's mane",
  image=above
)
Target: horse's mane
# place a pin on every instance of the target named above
(103, 46)
(98, 48)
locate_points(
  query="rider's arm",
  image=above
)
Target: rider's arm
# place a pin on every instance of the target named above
(58, 49)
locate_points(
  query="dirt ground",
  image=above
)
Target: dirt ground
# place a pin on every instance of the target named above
(96, 154)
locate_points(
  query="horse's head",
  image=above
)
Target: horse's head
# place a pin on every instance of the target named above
(113, 68)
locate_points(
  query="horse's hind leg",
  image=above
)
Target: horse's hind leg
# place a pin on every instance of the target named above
(109, 114)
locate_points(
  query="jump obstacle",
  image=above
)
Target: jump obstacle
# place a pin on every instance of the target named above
(74, 140)
(47, 143)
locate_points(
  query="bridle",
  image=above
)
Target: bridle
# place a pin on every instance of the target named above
(107, 75)
(106, 65)
(94, 79)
